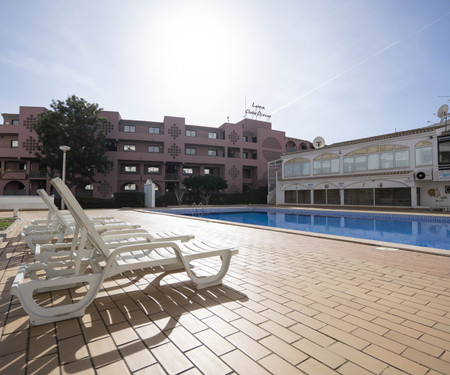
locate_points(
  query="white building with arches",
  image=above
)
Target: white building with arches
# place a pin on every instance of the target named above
(408, 169)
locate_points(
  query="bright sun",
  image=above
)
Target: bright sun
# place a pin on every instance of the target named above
(195, 48)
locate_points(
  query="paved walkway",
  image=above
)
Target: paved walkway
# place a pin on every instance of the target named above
(290, 304)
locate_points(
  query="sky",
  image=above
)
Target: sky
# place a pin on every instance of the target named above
(339, 69)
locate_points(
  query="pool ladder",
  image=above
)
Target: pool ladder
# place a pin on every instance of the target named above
(198, 209)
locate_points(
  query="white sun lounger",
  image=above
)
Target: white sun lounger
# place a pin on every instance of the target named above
(52, 209)
(61, 226)
(93, 265)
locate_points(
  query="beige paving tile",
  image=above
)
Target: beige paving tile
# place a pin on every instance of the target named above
(221, 326)
(326, 356)
(47, 365)
(215, 342)
(122, 333)
(350, 368)
(395, 360)
(72, 349)
(14, 342)
(42, 345)
(151, 335)
(171, 358)
(277, 365)
(288, 352)
(137, 356)
(312, 366)
(14, 363)
(103, 352)
(81, 367)
(207, 362)
(427, 360)
(242, 364)
(118, 367)
(324, 337)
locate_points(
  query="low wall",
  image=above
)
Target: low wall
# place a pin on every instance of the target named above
(22, 202)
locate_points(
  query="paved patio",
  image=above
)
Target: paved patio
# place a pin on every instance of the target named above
(290, 304)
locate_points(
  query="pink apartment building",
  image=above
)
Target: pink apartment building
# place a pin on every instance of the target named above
(164, 152)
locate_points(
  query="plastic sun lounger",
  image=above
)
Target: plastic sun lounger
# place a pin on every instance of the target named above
(61, 227)
(52, 209)
(93, 266)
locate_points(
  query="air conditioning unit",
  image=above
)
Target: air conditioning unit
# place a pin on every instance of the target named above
(425, 175)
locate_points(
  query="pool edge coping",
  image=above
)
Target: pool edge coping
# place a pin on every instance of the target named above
(384, 244)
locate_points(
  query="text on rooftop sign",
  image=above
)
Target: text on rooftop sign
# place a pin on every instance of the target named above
(257, 111)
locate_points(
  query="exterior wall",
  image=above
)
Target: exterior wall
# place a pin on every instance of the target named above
(397, 186)
(239, 153)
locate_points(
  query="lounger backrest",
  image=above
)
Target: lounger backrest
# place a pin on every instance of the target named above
(52, 207)
(80, 216)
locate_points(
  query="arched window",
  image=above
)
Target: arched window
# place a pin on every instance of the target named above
(129, 187)
(290, 146)
(297, 167)
(377, 157)
(424, 153)
(325, 164)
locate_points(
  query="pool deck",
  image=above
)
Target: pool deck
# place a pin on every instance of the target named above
(290, 304)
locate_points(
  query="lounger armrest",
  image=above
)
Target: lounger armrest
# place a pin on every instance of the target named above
(120, 232)
(144, 246)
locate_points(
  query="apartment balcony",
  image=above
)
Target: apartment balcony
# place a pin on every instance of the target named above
(16, 175)
(172, 177)
(129, 177)
(38, 174)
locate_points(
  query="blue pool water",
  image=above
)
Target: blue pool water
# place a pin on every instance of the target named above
(418, 230)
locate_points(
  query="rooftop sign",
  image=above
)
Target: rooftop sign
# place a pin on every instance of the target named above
(257, 112)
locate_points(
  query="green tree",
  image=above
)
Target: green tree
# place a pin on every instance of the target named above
(77, 124)
(205, 186)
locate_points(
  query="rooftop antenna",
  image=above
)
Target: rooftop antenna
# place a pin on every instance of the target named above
(443, 114)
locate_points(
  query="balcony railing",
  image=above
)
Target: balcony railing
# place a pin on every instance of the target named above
(172, 177)
(38, 174)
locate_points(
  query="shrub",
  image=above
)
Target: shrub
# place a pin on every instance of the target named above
(96, 203)
(129, 199)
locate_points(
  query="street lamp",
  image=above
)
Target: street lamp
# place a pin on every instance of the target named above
(64, 149)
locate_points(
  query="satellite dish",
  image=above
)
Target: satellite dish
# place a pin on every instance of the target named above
(442, 111)
(318, 142)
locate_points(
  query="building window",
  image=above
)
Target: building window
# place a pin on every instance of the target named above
(212, 152)
(129, 147)
(191, 151)
(444, 152)
(15, 122)
(212, 135)
(297, 167)
(245, 155)
(129, 187)
(130, 169)
(207, 171)
(325, 164)
(129, 129)
(191, 133)
(14, 144)
(154, 149)
(188, 171)
(154, 130)
(424, 154)
(245, 138)
(153, 169)
(377, 157)
(89, 187)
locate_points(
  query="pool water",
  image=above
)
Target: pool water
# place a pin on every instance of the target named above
(416, 230)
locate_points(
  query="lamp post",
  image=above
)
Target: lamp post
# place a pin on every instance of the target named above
(64, 149)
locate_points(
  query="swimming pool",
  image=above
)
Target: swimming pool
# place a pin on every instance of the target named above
(430, 231)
